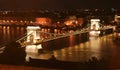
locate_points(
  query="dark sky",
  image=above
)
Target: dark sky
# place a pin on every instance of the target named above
(57, 4)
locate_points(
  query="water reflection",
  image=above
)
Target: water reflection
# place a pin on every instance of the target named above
(8, 33)
(100, 47)
(96, 46)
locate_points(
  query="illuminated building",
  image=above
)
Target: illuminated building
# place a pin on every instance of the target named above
(71, 21)
(43, 21)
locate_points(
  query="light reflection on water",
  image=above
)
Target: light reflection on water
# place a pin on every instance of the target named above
(8, 33)
(99, 47)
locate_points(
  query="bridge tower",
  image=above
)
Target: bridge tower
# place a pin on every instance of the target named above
(95, 27)
(33, 34)
(95, 24)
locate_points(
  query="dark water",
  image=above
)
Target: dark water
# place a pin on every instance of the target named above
(106, 47)
(10, 33)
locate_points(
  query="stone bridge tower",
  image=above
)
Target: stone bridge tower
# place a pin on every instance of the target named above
(33, 34)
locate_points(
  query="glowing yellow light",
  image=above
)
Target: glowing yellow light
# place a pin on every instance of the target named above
(11, 21)
(21, 21)
(94, 33)
(25, 21)
(31, 49)
(7, 20)
(39, 46)
(3, 20)
(31, 21)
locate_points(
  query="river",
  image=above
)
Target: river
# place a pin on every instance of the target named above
(99, 47)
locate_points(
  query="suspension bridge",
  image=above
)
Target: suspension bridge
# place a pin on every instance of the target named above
(35, 37)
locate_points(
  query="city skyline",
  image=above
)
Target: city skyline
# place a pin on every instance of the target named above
(56, 4)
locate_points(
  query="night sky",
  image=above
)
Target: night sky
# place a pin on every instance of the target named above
(57, 4)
